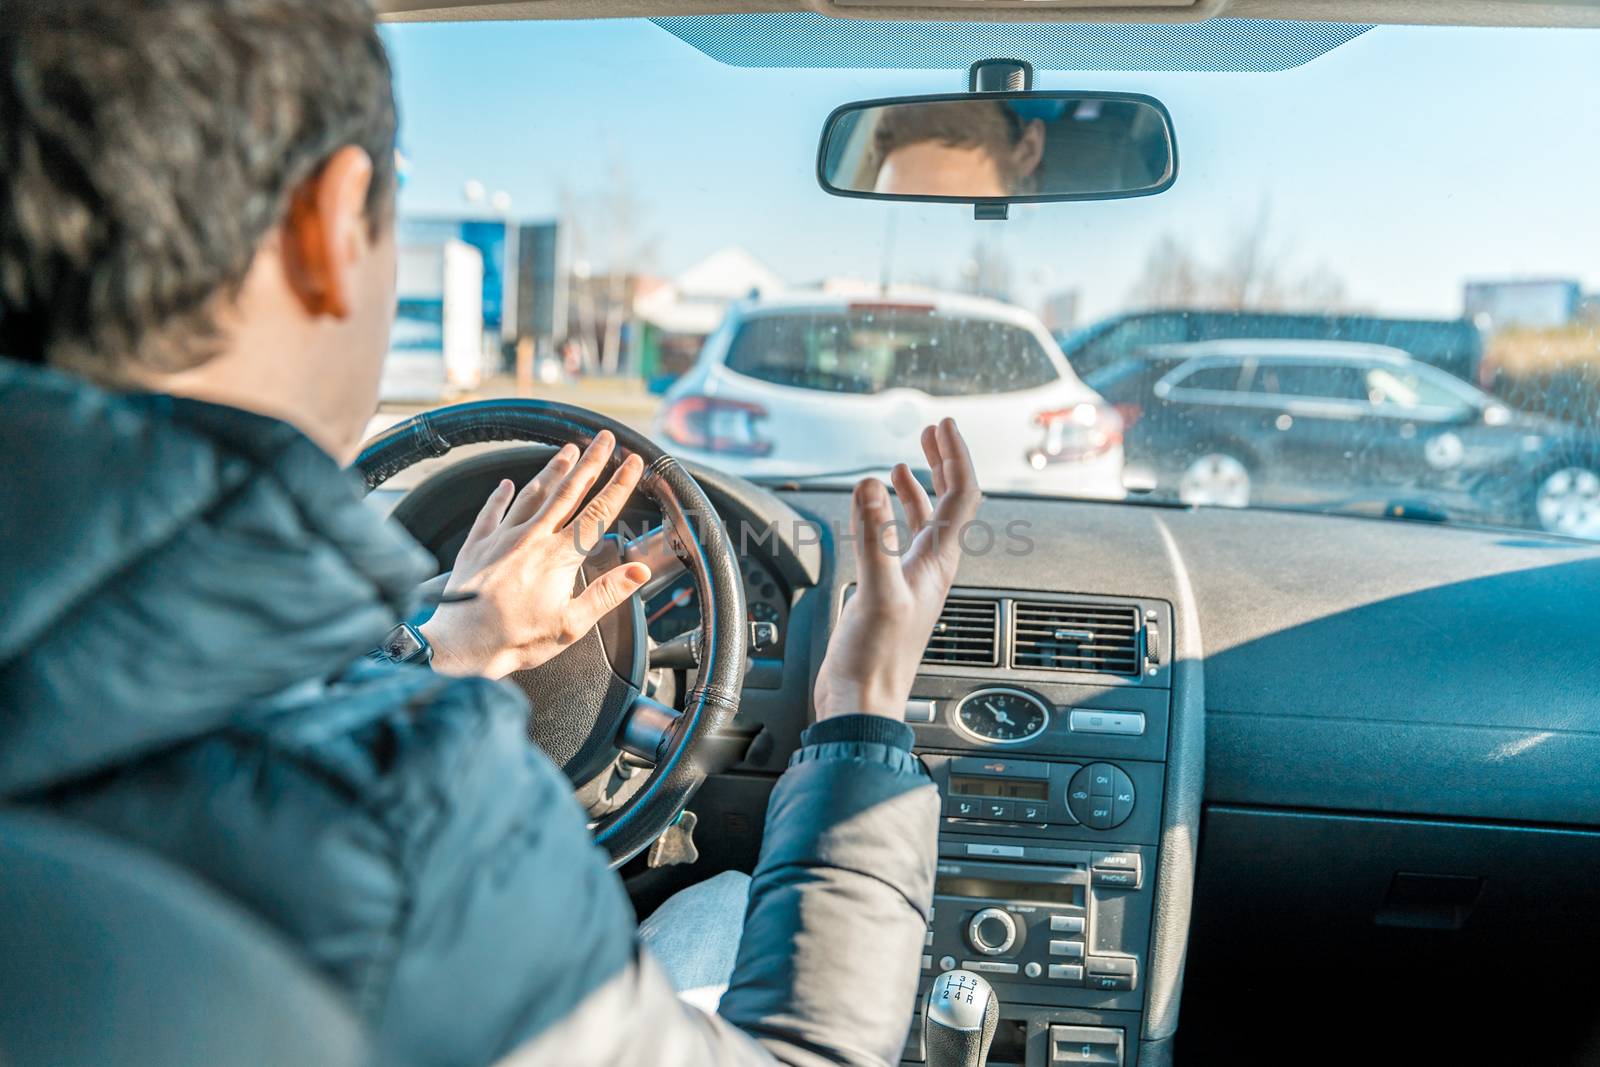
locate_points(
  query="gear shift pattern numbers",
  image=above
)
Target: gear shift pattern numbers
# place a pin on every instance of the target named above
(958, 1020)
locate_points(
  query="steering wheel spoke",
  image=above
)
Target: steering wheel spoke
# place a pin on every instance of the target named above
(659, 550)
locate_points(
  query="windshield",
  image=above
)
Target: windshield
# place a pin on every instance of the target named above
(1374, 282)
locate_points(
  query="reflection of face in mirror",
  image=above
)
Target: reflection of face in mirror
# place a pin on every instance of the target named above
(956, 149)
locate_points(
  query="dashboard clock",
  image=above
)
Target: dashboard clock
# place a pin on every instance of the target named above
(1002, 716)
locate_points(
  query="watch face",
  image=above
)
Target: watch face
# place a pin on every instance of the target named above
(402, 645)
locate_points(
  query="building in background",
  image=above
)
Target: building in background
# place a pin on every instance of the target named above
(1060, 312)
(1589, 309)
(437, 344)
(522, 294)
(675, 317)
(1533, 303)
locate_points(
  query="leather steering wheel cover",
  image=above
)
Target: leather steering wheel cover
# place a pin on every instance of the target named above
(710, 560)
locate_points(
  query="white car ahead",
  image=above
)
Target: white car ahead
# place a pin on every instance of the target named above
(816, 383)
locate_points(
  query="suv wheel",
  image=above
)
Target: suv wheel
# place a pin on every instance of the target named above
(1217, 479)
(1567, 501)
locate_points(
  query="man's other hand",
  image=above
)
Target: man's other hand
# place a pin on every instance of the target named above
(900, 587)
(521, 559)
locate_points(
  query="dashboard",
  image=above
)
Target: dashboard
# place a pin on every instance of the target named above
(1265, 766)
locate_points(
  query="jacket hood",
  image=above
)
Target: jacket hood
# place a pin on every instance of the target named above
(166, 562)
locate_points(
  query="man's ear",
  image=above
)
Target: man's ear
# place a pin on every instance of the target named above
(327, 232)
(1029, 149)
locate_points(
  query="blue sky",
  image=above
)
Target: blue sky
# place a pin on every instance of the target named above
(1404, 162)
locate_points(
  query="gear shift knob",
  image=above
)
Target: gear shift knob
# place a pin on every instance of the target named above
(959, 1020)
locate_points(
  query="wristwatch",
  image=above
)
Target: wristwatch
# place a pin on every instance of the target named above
(404, 644)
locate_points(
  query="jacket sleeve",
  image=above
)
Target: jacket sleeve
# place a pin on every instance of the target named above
(828, 962)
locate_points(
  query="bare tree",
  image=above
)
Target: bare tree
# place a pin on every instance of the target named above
(1252, 275)
(1171, 276)
(608, 253)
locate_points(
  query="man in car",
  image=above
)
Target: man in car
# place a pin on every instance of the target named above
(197, 277)
(956, 148)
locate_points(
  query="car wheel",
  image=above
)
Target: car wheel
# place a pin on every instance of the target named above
(1568, 502)
(1217, 479)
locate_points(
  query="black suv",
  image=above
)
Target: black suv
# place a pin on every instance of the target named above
(1303, 422)
(1452, 345)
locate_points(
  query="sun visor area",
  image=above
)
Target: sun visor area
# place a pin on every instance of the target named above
(807, 39)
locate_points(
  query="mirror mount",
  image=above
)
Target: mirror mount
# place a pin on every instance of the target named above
(1000, 76)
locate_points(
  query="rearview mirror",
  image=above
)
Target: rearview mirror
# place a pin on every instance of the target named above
(999, 148)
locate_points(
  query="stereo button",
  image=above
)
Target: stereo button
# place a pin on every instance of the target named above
(1066, 924)
(1111, 983)
(1066, 972)
(1117, 879)
(1014, 852)
(990, 966)
(1111, 965)
(1033, 970)
(1070, 949)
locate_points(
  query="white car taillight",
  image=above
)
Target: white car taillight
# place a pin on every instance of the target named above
(714, 424)
(1082, 431)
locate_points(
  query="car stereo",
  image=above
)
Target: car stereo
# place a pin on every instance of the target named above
(1032, 923)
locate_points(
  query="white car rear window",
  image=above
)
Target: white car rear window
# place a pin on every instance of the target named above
(871, 350)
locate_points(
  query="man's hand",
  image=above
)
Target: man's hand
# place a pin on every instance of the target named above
(874, 650)
(521, 558)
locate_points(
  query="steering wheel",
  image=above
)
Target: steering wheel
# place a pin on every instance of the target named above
(589, 702)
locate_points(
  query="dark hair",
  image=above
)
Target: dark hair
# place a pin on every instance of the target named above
(953, 123)
(146, 149)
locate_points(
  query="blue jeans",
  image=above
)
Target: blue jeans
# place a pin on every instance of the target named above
(695, 934)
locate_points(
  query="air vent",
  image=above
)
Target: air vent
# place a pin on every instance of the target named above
(1099, 638)
(967, 634)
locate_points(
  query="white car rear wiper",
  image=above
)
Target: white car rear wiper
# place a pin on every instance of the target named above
(795, 481)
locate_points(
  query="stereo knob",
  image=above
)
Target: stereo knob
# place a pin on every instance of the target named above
(992, 931)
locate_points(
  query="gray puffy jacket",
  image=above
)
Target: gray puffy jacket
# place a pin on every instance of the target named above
(184, 589)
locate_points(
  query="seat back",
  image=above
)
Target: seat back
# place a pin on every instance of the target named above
(109, 955)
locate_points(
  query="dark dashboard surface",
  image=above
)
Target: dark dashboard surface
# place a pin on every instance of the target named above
(1349, 664)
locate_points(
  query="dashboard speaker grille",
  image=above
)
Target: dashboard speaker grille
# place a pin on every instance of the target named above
(967, 634)
(1098, 638)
